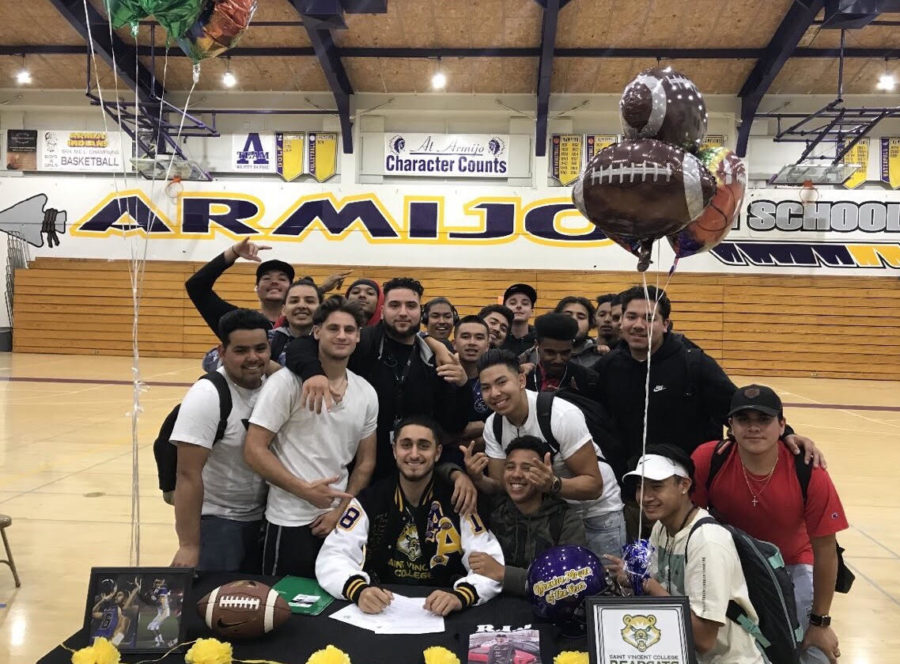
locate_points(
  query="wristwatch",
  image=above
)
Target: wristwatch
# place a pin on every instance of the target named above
(819, 621)
(556, 487)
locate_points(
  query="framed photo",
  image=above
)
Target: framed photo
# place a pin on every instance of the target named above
(639, 629)
(138, 609)
(518, 646)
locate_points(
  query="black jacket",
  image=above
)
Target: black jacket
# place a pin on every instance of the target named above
(422, 392)
(577, 378)
(689, 396)
(199, 288)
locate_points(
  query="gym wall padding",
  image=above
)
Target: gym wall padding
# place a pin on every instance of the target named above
(753, 325)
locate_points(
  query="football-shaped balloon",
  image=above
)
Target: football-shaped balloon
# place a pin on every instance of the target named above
(666, 105)
(643, 189)
(711, 227)
(559, 579)
(243, 609)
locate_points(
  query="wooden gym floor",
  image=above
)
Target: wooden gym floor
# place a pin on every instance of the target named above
(65, 479)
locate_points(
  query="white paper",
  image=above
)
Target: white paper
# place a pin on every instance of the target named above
(404, 615)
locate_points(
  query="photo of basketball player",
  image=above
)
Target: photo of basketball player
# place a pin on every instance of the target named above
(137, 610)
(114, 612)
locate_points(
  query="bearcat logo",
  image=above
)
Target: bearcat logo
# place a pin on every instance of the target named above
(640, 632)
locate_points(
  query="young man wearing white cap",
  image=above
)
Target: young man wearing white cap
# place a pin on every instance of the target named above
(758, 489)
(712, 577)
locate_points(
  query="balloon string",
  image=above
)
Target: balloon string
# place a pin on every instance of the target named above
(659, 292)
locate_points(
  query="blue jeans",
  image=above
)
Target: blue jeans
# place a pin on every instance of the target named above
(803, 596)
(605, 533)
(229, 546)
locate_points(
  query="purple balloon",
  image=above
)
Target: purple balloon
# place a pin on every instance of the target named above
(559, 580)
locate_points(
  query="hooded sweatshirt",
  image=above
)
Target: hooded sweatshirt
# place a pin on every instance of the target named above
(524, 536)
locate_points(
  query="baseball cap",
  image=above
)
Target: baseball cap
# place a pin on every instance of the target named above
(756, 397)
(524, 289)
(274, 265)
(657, 467)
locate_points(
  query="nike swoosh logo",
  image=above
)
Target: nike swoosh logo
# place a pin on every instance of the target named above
(221, 624)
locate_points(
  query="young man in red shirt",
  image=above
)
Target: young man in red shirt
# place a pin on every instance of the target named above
(758, 489)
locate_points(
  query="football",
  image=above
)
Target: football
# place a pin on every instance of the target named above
(665, 105)
(243, 609)
(643, 189)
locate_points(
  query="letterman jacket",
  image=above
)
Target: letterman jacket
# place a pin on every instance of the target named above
(381, 538)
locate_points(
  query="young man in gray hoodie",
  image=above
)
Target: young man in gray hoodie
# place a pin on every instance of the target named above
(526, 521)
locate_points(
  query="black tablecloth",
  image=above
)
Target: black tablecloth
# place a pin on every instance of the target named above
(302, 635)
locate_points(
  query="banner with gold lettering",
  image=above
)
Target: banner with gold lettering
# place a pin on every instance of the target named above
(596, 142)
(713, 141)
(321, 155)
(859, 154)
(289, 154)
(890, 162)
(565, 157)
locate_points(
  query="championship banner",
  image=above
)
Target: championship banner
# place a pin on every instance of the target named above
(21, 149)
(446, 155)
(289, 154)
(859, 154)
(565, 157)
(322, 155)
(253, 153)
(83, 151)
(890, 162)
(713, 141)
(596, 142)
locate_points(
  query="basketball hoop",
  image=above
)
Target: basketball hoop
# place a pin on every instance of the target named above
(174, 188)
(809, 195)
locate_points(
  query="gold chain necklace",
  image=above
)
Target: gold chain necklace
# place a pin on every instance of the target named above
(765, 482)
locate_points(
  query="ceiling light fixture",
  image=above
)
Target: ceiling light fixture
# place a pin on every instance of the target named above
(23, 77)
(886, 81)
(439, 80)
(228, 79)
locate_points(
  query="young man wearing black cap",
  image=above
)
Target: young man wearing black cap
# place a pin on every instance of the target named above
(758, 489)
(368, 294)
(521, 298)
(711, 578)
(273, 278)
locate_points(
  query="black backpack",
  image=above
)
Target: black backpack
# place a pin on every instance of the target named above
(845, 577)
(594, 416)
(167, 454)
(771, 591)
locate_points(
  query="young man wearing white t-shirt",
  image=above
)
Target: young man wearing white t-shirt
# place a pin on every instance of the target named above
(304, 455)
(710, 573)
(219, 500)
(576, 473)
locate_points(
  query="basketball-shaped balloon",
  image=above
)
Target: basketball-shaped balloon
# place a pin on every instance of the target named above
(711, 227)
(643, 189)
(666, 105)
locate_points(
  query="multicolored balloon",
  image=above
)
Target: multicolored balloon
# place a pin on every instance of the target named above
(666, 105)
(559, 580)
(176, 16)
(711, 227)
(219, 27)
(639, 191)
